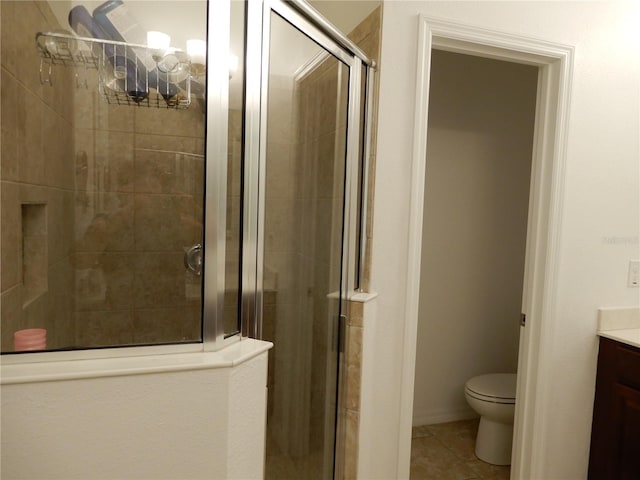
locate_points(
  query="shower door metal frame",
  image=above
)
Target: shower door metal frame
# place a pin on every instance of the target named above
(218, 43)
(305, 19)
(310, 23)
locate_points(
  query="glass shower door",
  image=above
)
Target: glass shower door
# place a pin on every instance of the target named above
(304, 196)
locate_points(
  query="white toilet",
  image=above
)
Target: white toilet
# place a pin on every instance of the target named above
(493, 396)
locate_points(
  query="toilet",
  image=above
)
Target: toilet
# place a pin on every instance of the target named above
(493, 397)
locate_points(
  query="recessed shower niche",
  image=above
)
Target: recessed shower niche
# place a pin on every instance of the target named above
(34, 252)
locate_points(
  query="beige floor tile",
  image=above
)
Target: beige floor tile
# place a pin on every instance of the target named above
(446, 451)
(459, 437)
(421, 431)
(489, 472)
(429, 450)
(430, 472)
(432, 460)
(438, 468)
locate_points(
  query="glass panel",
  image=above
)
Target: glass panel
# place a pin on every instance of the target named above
(361, 233)
(234, 168)
(101, 201)
(305, 168)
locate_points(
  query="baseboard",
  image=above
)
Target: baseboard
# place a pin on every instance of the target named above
(432, 417)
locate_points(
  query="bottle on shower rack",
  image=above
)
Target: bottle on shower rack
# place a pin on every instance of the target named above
(128, 76)
(115, 19)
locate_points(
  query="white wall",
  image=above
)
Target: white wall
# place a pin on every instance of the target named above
(480, 135)
(203, 421)
(345, 14)
(600, 227)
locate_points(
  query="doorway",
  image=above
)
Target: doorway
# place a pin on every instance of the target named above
(555, 63)
(478, 165)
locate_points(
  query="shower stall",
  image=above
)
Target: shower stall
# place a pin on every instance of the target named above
(175, 195)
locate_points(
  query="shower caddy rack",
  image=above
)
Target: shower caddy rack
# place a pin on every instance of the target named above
(172, 77)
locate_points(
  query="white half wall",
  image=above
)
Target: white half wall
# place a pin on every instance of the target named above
(187, 416)
(480, 138)
(601, 223)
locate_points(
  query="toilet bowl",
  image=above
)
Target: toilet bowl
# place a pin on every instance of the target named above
(493, 397)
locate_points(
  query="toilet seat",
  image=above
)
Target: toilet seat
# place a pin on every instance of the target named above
(494, 388)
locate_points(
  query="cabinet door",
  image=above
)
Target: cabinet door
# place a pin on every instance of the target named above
(615, 432)
(627, 410)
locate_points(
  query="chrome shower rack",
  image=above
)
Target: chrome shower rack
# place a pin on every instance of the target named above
(128, 74)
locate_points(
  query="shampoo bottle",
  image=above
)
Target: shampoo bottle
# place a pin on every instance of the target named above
(132, 78)
(114, 18)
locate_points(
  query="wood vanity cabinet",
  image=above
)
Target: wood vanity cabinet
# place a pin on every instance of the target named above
(615, 433)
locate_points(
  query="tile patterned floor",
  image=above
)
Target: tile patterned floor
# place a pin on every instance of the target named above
(446, 452)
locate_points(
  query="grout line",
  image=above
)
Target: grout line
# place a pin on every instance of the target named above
(37, 185)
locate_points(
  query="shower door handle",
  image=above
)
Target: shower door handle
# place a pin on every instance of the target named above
(193, 259)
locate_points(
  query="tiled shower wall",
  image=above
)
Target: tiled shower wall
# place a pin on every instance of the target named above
(37, 182)
(138, 206)
(98, 204)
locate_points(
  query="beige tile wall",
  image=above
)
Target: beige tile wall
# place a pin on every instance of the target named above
(121, 190)
(349, 410)
(36, 171)
(138, 207)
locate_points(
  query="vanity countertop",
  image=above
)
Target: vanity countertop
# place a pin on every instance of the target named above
(628, 336)
(620, 324)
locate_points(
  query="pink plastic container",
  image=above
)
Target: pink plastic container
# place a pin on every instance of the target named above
(30, 339)
(30, 333)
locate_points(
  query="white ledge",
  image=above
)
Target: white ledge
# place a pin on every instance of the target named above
(231, 356)
(353, 296)
(362, 297)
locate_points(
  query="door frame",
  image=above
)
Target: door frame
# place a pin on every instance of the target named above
(258, 47)
(308, 22)
(555, 67)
